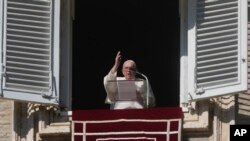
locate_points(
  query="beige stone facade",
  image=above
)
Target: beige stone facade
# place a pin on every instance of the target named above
(42, 124)
(6, 116)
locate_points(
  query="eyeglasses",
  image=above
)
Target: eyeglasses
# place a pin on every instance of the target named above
(129, 68)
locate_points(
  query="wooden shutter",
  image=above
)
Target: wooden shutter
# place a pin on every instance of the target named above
(217, 47)
(30, 50)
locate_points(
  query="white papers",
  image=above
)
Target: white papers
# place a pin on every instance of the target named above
(126, 90)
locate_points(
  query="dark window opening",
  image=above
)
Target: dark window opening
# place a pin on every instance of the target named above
(143, 30)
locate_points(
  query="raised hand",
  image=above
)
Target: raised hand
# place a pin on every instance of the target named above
(118, 58)
(117, 62)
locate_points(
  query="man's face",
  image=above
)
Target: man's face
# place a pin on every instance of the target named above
(126, 70)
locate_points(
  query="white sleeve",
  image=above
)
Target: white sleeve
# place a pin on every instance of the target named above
(151, 97)
(110, 88)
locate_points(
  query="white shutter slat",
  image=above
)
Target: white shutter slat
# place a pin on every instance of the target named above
(28, 46)
(19, 20)
(26, 80)
(27, 70)
(27, 32)
(218, 37)
(16, 86)
(211, 61)
(26, 42)
(29, 38)
(29, 9)
(220, 43)
(215, 76)
(37, 5)
(16, 58)
(30, 5)
(218, 55)
(31, 27)
(211, 19)
(216, 27)
(216, 22)
(28, 75)
(31, 65)
(217, 66)
(28, 16)
(218, 51)
(212, 83)
(19, 87)
(209, 3)
(41, 55)
(217, 70)
(217, 10)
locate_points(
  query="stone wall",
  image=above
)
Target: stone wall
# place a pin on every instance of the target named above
(5, 120)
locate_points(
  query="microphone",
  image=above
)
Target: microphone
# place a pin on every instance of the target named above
(147, 83)
(134, 70)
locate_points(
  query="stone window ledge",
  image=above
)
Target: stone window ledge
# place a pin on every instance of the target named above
(56, 129)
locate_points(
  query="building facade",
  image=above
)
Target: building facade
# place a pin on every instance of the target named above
(213, 34)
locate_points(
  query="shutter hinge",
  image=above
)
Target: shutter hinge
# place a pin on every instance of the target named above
(199, 90)
(3, 71)
(3, 75)
(50, 97)
(190, 96)
(243, 60)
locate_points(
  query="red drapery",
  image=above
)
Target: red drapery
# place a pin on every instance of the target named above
(155, 124)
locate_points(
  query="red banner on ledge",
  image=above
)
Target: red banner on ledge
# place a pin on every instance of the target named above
(156, 124)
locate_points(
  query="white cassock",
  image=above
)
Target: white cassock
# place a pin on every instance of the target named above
(141, 88)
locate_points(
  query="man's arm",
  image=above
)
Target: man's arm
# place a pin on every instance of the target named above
(117, 63)
(110, 87)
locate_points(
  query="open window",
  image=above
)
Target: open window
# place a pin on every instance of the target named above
(29, 49)
(213, 48)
